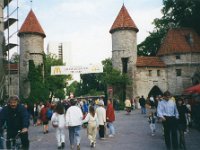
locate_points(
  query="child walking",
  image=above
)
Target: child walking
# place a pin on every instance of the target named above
(92, 120)
(58, 122)
(152, 122)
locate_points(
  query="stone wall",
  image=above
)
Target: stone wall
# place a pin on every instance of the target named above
(14, 84)
(124, 45)
(188, 64)
(145, 82)
(2, 75)
(31, 48)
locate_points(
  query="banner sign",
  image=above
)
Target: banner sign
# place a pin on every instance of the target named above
(65, 70)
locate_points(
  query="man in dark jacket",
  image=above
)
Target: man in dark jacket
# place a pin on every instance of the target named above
(142, 102)
(1, 134)
(17, 119)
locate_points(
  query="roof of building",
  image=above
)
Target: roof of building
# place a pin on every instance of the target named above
(12, 67)
(31, 25)
(123, 21)
(182, 40)
(149, 61)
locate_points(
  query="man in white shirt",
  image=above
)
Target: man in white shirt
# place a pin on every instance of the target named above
(74, 118)
(167, 111)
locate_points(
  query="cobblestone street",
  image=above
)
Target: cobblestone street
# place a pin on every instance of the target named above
(132, 132)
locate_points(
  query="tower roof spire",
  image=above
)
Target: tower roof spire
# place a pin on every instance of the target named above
(123, 21)
(31, 25)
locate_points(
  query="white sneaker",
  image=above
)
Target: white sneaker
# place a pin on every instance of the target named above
(110, 135)
(152, 134)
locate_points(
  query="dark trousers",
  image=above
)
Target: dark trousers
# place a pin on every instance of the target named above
(1, 142)
(24, 141)
(101, 131)
(170, 132)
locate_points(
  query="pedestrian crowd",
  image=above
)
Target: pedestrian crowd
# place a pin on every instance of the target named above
(175, 114)
(71, 115)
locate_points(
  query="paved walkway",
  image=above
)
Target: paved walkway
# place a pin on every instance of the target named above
(132, 133)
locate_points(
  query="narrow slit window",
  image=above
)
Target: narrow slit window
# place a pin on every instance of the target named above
(178, 72)
(150, 73)
(178, 57)
(158, 73)
(124, 65)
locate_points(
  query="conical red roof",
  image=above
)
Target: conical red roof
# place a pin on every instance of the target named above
(123, 21)
(31, 25)
(179, 41)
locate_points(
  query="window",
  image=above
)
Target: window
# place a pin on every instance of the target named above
(150, 72)
(178, 72)
(158, 73)
(178, 57)
(124, 65)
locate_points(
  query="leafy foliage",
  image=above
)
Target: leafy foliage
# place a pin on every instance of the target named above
(176, 13)
(55, 84)
(39, 91)
(96, 84)
(15, 58)
(112, 76)
(43, 85)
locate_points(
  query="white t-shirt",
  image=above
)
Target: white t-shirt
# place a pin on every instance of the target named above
(74, 116)
(101, 115)
(59, 118)
(90, 119)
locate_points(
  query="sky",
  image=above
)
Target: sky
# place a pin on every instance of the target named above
(86, 23)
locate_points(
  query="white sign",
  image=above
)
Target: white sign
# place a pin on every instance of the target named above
(65, 70)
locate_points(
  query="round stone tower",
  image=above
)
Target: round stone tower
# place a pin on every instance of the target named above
(1, 48)
(124, 47)
(31, 37)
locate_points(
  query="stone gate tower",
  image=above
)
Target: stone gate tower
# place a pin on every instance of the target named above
(1, 48)
(31, 37)
(124, 47)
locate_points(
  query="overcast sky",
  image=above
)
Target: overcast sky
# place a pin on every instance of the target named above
(86, 23)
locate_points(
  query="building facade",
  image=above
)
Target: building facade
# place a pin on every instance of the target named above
(31, 37)
(171, 69)
(62, 50)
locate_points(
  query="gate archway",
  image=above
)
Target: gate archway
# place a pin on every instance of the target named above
(155, 91)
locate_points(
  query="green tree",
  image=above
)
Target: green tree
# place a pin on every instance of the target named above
(14, 58)
(112, 76)
(39, 92)
(176, 13)
(55, 84)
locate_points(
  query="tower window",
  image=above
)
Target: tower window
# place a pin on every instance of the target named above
(178, 72)
(178, 57)
(125, 65)
(150, 73)
(158, 73)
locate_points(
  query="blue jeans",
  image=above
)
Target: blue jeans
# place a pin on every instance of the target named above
(74, 135)
(111, 128)
(143, 110)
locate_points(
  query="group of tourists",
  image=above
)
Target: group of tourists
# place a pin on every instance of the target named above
(15, 117)
(174, 115)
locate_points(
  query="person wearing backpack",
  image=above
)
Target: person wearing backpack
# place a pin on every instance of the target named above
(49, 113)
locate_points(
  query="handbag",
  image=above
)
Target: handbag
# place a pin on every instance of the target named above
(55, 122)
